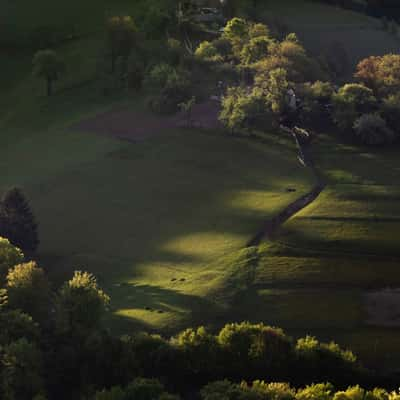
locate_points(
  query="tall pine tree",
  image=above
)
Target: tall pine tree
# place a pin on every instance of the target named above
(17, 222)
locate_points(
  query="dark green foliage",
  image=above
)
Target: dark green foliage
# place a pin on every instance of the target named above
(80, 305)
(255, 350)
(390, 111)
(121, 32)
(200, 354)
(352, 101)
(371, 129)
(21, 377)
(325, 362)
(17, 222)
(16, 325)
(170, 87)
(249, 111)
(314, 102)
(139, 389)
(9, 256)
(29, 290)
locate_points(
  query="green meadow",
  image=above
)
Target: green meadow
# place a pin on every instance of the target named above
(325, 260)
(164, 223)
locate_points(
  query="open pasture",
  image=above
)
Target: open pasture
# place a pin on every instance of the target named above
(326, 262)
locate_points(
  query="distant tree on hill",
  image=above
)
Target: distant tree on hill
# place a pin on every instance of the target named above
(17, 222)
(47, 65)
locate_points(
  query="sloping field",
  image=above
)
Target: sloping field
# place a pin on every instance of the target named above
(151, 219)
(326, 263)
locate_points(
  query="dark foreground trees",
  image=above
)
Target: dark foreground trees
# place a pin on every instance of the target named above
(53, 345)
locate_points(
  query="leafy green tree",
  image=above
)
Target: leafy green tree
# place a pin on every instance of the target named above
(275, 86)
(200, 353)
(315, 99)
(80, 304)
(255, 350)
(170, 87)
(294, 59)
(47, 65)
(21, 377)
(207, 51)
(160, 76)
(274, 390)
(139, 389)
(9, 256)
(352, 101)
(259, 30)
(244, 110)
(29, 290)
(255, 50)
(115, 393)
(16, 325)
(381, 74)
(320, 391)
(237, 32)
(17, 222)
(122, 37)
(225, 390)
(325, 361)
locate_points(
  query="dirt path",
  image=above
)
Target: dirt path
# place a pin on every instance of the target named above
(271, 227)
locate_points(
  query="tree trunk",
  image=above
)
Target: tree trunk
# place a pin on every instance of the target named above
(49, 87)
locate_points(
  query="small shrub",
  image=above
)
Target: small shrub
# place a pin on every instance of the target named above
(371, 129)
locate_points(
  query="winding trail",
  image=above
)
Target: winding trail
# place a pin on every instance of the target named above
(271, 226)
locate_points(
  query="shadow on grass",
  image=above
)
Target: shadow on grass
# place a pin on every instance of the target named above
(175, 310)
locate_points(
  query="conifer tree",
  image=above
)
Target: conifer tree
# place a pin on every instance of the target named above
(17, 222)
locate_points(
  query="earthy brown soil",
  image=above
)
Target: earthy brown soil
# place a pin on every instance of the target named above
(131, 125)
(383, 307)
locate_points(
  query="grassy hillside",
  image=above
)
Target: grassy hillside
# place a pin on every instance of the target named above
(320, 25)
(151, 220)
(20, 19)
(319, 271)
(163, 223)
